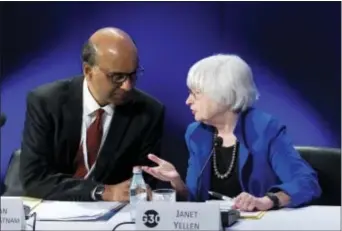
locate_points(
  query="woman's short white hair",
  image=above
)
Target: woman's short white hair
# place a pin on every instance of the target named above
(226, 79)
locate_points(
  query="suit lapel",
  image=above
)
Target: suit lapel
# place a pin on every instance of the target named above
(116, 133)
(243, 156)
(72, 113)
(241, 134)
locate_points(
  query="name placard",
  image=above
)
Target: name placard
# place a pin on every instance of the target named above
(12, 214)
(177, 216)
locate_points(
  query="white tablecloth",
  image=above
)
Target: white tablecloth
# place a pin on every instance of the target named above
(308, 218)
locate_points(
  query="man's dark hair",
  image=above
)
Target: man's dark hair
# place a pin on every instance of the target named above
(89, 54)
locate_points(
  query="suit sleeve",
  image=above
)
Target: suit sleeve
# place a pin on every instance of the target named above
(152, 144)
(298, 179)
(193, 167)
(37, 173)
(191, 177)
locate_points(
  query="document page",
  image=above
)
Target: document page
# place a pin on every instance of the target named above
(64, 210)
(31, 202)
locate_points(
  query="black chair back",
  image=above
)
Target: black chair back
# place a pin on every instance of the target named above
(327, 163)
(12, 183)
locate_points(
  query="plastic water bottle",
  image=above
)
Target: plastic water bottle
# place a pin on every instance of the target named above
(138, 190)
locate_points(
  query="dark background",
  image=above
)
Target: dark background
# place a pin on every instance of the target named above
(293, 48)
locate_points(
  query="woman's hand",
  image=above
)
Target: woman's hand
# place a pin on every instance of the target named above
(247, 202)
(165, 171)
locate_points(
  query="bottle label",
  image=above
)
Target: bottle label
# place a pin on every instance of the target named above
(142, 196)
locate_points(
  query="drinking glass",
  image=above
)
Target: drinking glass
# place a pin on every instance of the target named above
(166, 195)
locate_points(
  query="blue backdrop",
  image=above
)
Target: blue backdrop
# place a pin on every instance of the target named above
(293, 48)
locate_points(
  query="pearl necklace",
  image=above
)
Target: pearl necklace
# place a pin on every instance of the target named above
(231, 166)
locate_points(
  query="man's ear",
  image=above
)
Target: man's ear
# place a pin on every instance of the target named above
(87, 70)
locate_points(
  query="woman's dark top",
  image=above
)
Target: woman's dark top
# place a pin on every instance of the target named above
(228, 186)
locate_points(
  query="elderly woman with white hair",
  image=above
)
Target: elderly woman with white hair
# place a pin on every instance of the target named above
(235, 149)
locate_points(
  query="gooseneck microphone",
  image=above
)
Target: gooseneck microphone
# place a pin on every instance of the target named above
(2, 119)
(217, 143)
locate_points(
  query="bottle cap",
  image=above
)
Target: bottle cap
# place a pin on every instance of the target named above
(136, 169)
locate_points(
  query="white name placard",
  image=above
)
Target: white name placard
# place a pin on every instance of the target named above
(12, 214)
(177, 216)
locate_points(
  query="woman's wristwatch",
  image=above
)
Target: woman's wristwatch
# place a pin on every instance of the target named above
(274, 199)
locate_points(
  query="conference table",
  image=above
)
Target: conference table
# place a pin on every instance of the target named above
(306, 218)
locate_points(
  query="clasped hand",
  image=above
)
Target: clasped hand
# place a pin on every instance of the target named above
(247, 202)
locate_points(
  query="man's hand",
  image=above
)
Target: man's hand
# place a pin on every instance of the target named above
(149, 192)
(118, 192)
(247, 202)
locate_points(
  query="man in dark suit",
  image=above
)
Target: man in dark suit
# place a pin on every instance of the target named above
(83, 136)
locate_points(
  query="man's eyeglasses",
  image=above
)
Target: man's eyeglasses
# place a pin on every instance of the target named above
(120, 77)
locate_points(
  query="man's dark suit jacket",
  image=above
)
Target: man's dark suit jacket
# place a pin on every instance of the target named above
(52, 134)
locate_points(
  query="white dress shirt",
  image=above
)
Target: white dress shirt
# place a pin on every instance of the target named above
(90, 106)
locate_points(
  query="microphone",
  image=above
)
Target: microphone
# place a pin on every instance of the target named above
(217, 143)
(2, 119)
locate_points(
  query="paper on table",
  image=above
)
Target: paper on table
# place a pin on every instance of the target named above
(64, 210)
(226, 205)
(31, 202)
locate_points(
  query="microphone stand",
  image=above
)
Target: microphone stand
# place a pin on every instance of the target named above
(218, 141)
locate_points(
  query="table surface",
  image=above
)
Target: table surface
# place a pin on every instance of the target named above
(307, 218)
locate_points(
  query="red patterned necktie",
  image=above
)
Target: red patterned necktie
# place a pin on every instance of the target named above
(94, 137)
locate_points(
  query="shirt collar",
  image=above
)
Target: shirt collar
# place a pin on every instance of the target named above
(90, 105)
